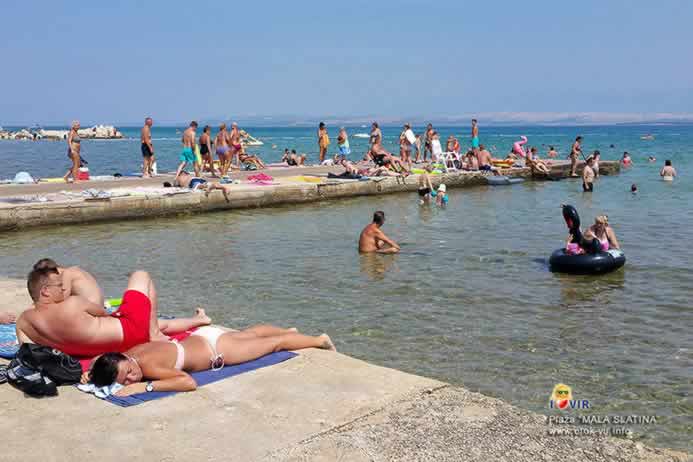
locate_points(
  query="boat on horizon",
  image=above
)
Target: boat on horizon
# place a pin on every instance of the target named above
(647, 137)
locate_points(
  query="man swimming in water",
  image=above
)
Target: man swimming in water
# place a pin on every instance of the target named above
(372, 238)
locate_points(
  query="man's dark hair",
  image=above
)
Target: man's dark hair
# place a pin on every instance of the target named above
(105, 369)
(293, 151)
(322, 125)
(474, 120)
(579, 138)
(667, 162)
(45, 263)
(207, 128)
(38, 277)
(551, 147)
(596, 153)
(193, 124)
(379, 218)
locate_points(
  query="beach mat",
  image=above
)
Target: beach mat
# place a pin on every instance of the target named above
(8, 341)
(205, 377)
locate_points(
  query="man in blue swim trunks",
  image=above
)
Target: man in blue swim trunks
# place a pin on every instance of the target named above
(475, 137)
(188, 153)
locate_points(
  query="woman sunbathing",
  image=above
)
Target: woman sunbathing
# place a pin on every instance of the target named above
(166, 364)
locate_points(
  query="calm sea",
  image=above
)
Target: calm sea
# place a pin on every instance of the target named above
(469, 300)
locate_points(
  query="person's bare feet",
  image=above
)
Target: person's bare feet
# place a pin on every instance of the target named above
(202, 317)
(7, 318)
(327, 343)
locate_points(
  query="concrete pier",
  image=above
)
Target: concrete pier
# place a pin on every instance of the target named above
(17, 214)
(319, 406)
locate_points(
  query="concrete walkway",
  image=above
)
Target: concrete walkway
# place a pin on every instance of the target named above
(319, 406)
(152, 200)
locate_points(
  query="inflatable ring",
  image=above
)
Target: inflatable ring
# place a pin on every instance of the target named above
(588, 263)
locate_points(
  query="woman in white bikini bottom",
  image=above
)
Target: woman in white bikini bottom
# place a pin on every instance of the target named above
(165, 365)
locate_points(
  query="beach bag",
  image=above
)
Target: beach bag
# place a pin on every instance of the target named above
(61, 368)
(30, 381)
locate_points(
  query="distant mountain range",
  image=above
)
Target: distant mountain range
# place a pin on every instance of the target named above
(488, 119)
(485, 119)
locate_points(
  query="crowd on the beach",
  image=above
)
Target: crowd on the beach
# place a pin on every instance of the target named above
(131, 350)
(198, 152)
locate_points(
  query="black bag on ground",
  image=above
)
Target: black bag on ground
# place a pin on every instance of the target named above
(38, 370)
(30, 381)
(61, 368)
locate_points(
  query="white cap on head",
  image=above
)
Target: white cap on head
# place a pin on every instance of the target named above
(442, 187)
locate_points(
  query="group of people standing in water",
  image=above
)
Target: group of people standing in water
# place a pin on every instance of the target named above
(131, 347)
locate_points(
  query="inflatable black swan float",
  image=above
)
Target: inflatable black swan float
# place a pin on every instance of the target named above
(593, 261)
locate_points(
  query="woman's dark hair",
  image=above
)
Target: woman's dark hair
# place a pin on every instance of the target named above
(105, 369)
(667, 162)
(551, 147)
(322, 125)
(578, 138)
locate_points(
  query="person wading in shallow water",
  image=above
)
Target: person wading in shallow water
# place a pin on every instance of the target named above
(373, 239)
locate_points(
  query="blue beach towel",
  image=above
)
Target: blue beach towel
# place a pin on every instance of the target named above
(8, 341)
(206, 377)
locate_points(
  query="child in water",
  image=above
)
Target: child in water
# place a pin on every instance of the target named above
(441, 195)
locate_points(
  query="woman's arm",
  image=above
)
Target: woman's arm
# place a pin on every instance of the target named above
(613, 242)
(165, 379)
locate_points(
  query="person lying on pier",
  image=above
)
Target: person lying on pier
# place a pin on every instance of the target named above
(165, 365)
(373, 239)
(533, 161)
(186, 180)
(78, 327)
(250, 159)
(79, 282)
(352, 171)
(382, 158)
(292, 159)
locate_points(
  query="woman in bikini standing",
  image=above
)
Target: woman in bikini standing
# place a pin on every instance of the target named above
(221, 142)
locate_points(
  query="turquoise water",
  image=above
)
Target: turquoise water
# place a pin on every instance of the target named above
(469, 300)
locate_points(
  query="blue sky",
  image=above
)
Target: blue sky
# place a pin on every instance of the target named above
(119, 61)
